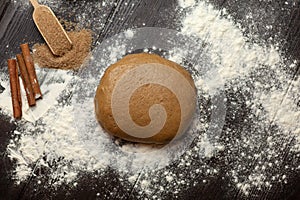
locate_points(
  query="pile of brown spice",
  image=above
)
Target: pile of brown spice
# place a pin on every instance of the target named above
(72, 59)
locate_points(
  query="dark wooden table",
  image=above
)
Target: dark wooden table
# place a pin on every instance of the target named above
(16, 27)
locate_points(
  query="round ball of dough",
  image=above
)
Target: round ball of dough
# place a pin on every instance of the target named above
(145, 98)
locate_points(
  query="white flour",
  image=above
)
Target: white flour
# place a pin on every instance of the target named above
(284, 110)
(230, 54)
(229, 63)
(186, 3)
(52, 84)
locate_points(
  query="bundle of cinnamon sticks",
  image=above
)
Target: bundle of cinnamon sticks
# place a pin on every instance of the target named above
(23, 64)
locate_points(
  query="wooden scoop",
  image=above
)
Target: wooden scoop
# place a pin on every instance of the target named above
(51, 30)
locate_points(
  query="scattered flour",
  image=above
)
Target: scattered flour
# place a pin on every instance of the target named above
(52, 84)
(186, 3)
(229, 64)
(283, 108)
(129, 33)
(230, 54)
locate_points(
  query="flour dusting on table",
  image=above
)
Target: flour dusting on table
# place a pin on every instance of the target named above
(253, 78)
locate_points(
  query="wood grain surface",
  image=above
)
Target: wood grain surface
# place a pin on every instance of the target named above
(16, 27)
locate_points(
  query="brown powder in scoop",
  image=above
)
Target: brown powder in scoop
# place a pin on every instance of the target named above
(52, 30)
(72, 59)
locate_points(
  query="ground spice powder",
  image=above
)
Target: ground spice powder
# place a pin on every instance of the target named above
(51, 30)
(72, 59)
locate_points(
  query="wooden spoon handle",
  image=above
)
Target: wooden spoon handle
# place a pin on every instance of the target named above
(34, 3)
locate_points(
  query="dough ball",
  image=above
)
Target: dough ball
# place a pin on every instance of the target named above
(145, 98)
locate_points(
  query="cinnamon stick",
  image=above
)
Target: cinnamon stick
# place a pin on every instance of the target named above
(31, 70)
(26, 80)
(15, 88)
(18, 85)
